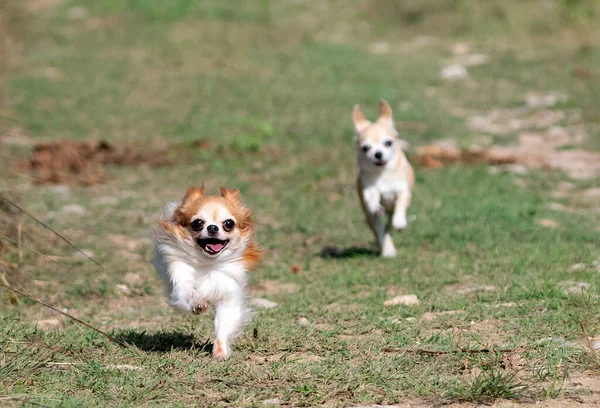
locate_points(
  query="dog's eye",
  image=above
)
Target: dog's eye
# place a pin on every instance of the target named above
(366, 148)
(228, 225)
(197, 225)
(388, 143)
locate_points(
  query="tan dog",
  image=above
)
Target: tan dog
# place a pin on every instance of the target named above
(385, 178)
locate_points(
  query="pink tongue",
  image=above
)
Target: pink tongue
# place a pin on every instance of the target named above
(215, 247)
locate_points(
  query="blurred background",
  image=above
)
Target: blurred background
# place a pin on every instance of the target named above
(111, 108)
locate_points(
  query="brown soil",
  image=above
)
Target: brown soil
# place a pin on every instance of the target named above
(69, 162)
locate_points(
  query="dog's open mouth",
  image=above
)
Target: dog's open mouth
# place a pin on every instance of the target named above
(212, 246)
(380, 163)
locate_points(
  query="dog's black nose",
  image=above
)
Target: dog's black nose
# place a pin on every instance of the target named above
(212, 229)
(378, 155)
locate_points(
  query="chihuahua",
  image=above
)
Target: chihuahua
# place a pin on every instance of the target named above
(204, 245)
(385, 177)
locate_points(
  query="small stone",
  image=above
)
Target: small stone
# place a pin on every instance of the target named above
(574, 288)
(555, 340)
(548, 223)
(460, 49)
(595, 344)
(75, 209)
(263, 303)
(454, 72)
(410, 319)
(303, 321)
(536, 100)
(87, 253)
(476, 59)
(406, 300)
(271, 401)
(577, 267)
(462, 289)
(48, 324)
(380, 48)
(592, 193)
(124, 288)
(126, 367)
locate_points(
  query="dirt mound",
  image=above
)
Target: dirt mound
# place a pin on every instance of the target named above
(436, 156)
(70, 162)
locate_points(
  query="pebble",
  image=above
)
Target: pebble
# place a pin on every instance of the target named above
(574, 288)
(263, 303)
(48, 324)
(303, 321)
(406, 300)
(75, 209)
(87, 253)
(453, 72)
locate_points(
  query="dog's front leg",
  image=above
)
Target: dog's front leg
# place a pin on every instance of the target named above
(183, 295)
(371, 199)
(229, 317)
(399, 221)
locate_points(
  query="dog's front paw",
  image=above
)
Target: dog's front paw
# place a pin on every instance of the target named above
(399, 223)
(221, 351)
(187, 300)
(200, 308)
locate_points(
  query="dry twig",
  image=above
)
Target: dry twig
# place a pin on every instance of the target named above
(51, 229)
(41, 302)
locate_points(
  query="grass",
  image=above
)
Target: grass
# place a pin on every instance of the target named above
(268, 88)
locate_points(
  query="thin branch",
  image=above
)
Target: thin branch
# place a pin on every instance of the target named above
(51, 229)
(24, 400)
(20, 240)
(34, 251)
(440, 352)
(41, 302)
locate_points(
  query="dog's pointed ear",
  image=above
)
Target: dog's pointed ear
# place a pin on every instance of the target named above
(194, 193)
(181, 214)
(233, 195)
(385, 113)
(360, 122)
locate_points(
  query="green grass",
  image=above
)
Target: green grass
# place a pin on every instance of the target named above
(269, 87)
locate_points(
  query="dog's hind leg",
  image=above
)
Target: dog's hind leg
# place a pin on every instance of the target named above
(382, 236)
(230, 316)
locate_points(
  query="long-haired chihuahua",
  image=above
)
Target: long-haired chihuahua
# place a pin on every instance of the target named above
(204, 245)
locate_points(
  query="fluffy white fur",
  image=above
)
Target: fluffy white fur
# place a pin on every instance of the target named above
(195, 281)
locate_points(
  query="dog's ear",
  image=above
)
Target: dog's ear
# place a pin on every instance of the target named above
(194, 193)
(244, 216)
(385, 113)
(360, 122)
(183, 210)
(233, 195)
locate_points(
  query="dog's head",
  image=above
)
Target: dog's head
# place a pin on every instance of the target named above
(217, 227)
(377, 142)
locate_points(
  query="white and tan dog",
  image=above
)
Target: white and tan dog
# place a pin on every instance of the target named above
(385, 178)
(204, 245)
